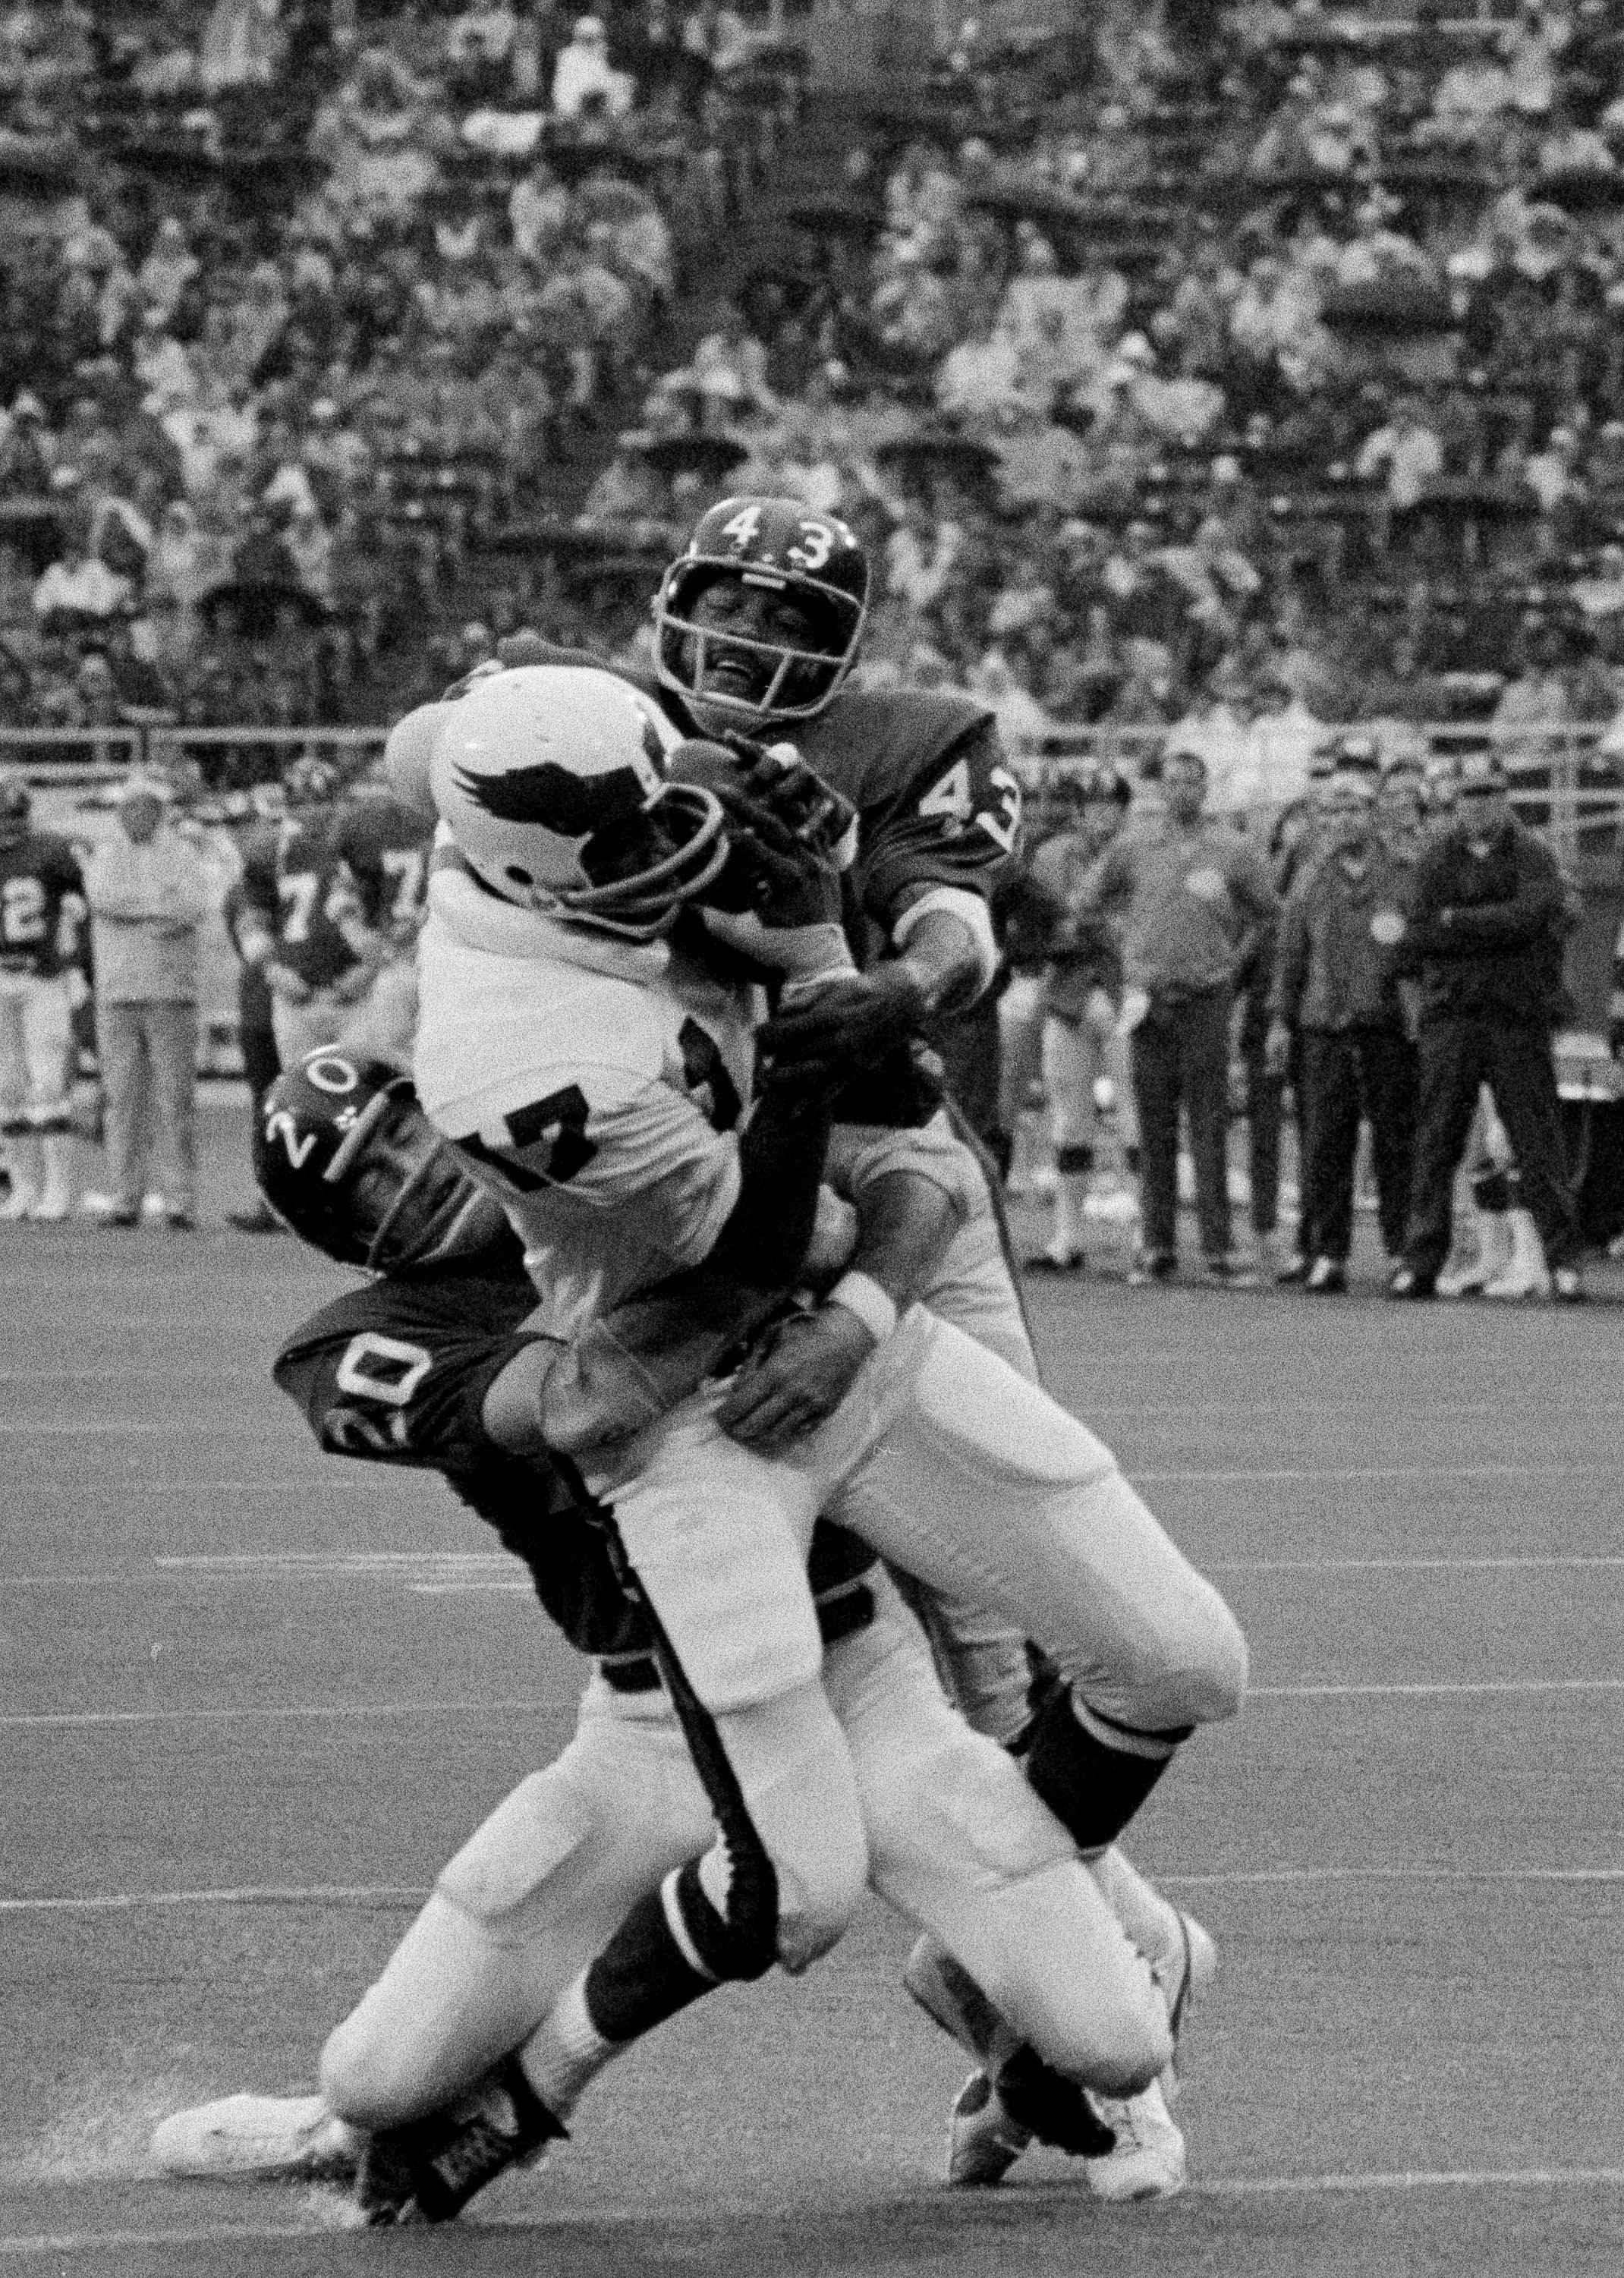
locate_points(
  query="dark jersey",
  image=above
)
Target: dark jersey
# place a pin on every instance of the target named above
(297, 881)
(386, 848)
(398, 1372)
(41, 905)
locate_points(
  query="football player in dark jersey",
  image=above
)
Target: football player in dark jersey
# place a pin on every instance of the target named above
(331, 894)
(42, 980)
(460, 2059)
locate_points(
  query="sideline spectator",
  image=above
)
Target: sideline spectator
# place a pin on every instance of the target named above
(1193, 896)
(1336, 989)
(1487, 916)
(147, 892)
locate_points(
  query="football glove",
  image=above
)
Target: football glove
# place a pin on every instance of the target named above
(777, 900)
(776, 776)
(854, 1021)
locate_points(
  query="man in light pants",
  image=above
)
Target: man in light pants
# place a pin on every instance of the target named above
(147, 892)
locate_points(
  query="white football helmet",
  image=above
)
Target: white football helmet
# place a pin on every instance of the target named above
(551, 780)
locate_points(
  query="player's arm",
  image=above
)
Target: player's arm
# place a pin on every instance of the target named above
(912, 1190)
(925, 875)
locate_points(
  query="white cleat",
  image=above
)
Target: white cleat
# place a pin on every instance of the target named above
(52, 1207)
(21, 1203)
(1148, 2161)
(984, 2139)
(298, 2138)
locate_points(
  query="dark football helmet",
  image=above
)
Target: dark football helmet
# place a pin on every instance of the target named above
(16, 806)
(344, 1154)
(310, 782)
(742, 676)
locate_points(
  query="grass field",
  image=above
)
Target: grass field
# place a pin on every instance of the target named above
(252, 1697)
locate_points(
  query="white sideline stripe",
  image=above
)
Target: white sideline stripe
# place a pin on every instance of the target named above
(342, 1711)
(23, 2245)
(363, 1894)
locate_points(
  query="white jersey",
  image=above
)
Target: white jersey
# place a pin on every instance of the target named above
(598, 1086)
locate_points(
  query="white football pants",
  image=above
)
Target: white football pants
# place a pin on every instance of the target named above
(37, 1067)
(955, 1838)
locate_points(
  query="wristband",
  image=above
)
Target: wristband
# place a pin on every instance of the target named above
(860, 1294)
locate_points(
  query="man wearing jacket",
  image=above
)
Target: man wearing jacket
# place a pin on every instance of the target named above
(1194, 897)
(1487, 920)
(1335, 985)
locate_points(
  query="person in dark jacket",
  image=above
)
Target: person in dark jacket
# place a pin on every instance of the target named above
(1336, 987)
(1487, 914)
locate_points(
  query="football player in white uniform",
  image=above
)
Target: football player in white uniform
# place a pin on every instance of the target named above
(42, 916)
(557, 1046)
(462, 2056)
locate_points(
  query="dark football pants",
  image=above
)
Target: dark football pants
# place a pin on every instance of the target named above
(1181, 1056)
(1347, 1074)
(1514, 1059)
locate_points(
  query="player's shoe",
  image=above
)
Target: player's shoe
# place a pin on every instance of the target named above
(985, 2139)
(20, 1203)
(428, 2170)
(1013, 2096)
(294, 2137)
(1148, 2160)
(53, 1206)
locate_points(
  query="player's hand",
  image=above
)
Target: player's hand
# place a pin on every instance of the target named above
(798, 1375)
(1278, 1050)
(775, 777)
(777, 900)
(289, 986)
(850, 1023)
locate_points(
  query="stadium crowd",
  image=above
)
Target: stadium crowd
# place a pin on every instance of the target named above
(1190, 379)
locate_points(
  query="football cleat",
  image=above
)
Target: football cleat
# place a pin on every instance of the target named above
(985, 2139)
(428, 2170)
(295, 2138)
(1147, 2159)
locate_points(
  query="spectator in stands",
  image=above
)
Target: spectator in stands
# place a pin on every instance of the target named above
(584, 74)
(1487, 916)
(1193, 898)
(147, 892)
(77, 589)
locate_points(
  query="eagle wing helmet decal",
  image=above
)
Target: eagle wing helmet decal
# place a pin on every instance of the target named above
(574, 805)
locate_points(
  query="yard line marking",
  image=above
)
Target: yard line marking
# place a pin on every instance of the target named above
(340, 1711)
(21, 2245)
(355, 1711)
(1440, 2179)
(1263, 1877)
(268, 1895)
(1385, 1471)
(364, 1894)
(1408, 1565)
(1473, 1688)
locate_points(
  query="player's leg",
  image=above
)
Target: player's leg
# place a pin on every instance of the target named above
(48, 1041)
(716, 1540)
(382, 1025)
(171, 1031)
(960, 1844)
(515, 1916)
(1070, 1062)
(988, 1490)
(121, 1049)
(23, 1160)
